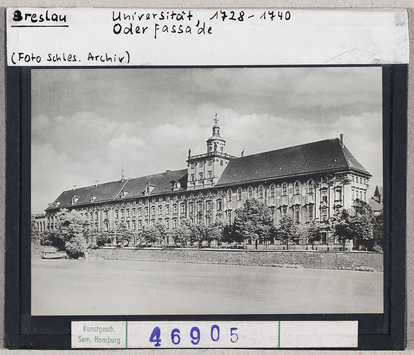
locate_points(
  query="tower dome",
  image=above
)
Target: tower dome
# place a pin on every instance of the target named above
(216, 142)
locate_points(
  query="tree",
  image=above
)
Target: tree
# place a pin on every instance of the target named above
(201, 233)
(122, 234)
(253, 220)
(286, 230)
(69, 233)
(314, 234)
(183, 234)
(153, 233)
(354, 225)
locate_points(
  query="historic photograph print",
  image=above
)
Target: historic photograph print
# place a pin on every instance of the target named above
(162, 191)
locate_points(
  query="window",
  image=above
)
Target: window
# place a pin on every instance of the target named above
(146, 211)
(239, 194)
(167, 223)
(210, 162)
(250, 192)
(272, 190)
(116, 214)
(210, 174)
(134, 211)
(127, 212)
(284, 189)
(297, 214)
(284, 211)
(139, 224)
(228, 195)
(182, 208)
(324, 195)
(191, 207)
(208, 205)
(192, 166)
(365, 196)
(192, 177)
(134, 225)
(311, 188)
(200, 176)
(160, 209)
(200, 206)
(310, 212)
(324, 214)
(174, 223)
(297, 188)
(167, 209)
(174, 209)
(219, 205)
(338, 194)
(106, 214)
(261, 192)
(353, 194)
(353, 178)
(229, 217)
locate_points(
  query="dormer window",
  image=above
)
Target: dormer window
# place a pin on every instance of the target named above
(148, 188)
(74, 199)
(177, 185)
(124, 193)
(93, 198)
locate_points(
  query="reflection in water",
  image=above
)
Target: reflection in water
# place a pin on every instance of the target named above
(119, 287)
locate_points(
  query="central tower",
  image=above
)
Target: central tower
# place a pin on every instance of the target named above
(204, 170)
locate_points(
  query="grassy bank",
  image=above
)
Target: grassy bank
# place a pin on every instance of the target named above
(363, 261)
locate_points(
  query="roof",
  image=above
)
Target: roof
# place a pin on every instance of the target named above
(161, 183)
(375, 205)
(327, 156)
(318, 157)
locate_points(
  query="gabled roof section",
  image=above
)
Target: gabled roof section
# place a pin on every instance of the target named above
(162, 182)
(318, 157)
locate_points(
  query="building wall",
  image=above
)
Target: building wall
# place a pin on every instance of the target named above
(303, 198)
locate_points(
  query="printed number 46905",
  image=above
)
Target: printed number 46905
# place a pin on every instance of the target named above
(195, 335)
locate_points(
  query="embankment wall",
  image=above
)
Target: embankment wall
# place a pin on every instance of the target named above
(364, 261)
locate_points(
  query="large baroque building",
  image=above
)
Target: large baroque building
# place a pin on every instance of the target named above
(306, 182)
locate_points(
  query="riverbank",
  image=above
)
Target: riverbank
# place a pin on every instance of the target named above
(360, 261)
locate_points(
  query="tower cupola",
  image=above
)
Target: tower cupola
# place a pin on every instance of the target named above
(216, 143)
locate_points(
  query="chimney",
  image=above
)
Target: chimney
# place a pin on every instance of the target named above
(96, 182)
(74, 187)
(342, 139)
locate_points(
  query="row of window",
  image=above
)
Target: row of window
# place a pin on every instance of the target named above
(359, 193)
(192, 207)
(199, 206)
(201, 175)
(272, 191)
(359, 180)
(201, 164)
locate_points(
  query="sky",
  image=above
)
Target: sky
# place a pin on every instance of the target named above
(88, 124)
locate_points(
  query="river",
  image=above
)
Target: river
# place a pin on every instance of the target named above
(122, 287)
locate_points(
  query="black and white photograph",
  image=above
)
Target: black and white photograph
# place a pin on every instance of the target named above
(207, 191)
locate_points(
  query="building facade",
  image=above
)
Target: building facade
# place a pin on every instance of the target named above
(306, 182)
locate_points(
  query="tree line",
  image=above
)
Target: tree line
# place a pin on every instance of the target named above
(253, 224)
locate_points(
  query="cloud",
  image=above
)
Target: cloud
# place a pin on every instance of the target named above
(86, 123)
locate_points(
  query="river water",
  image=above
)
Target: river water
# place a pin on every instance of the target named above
(121, 287)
